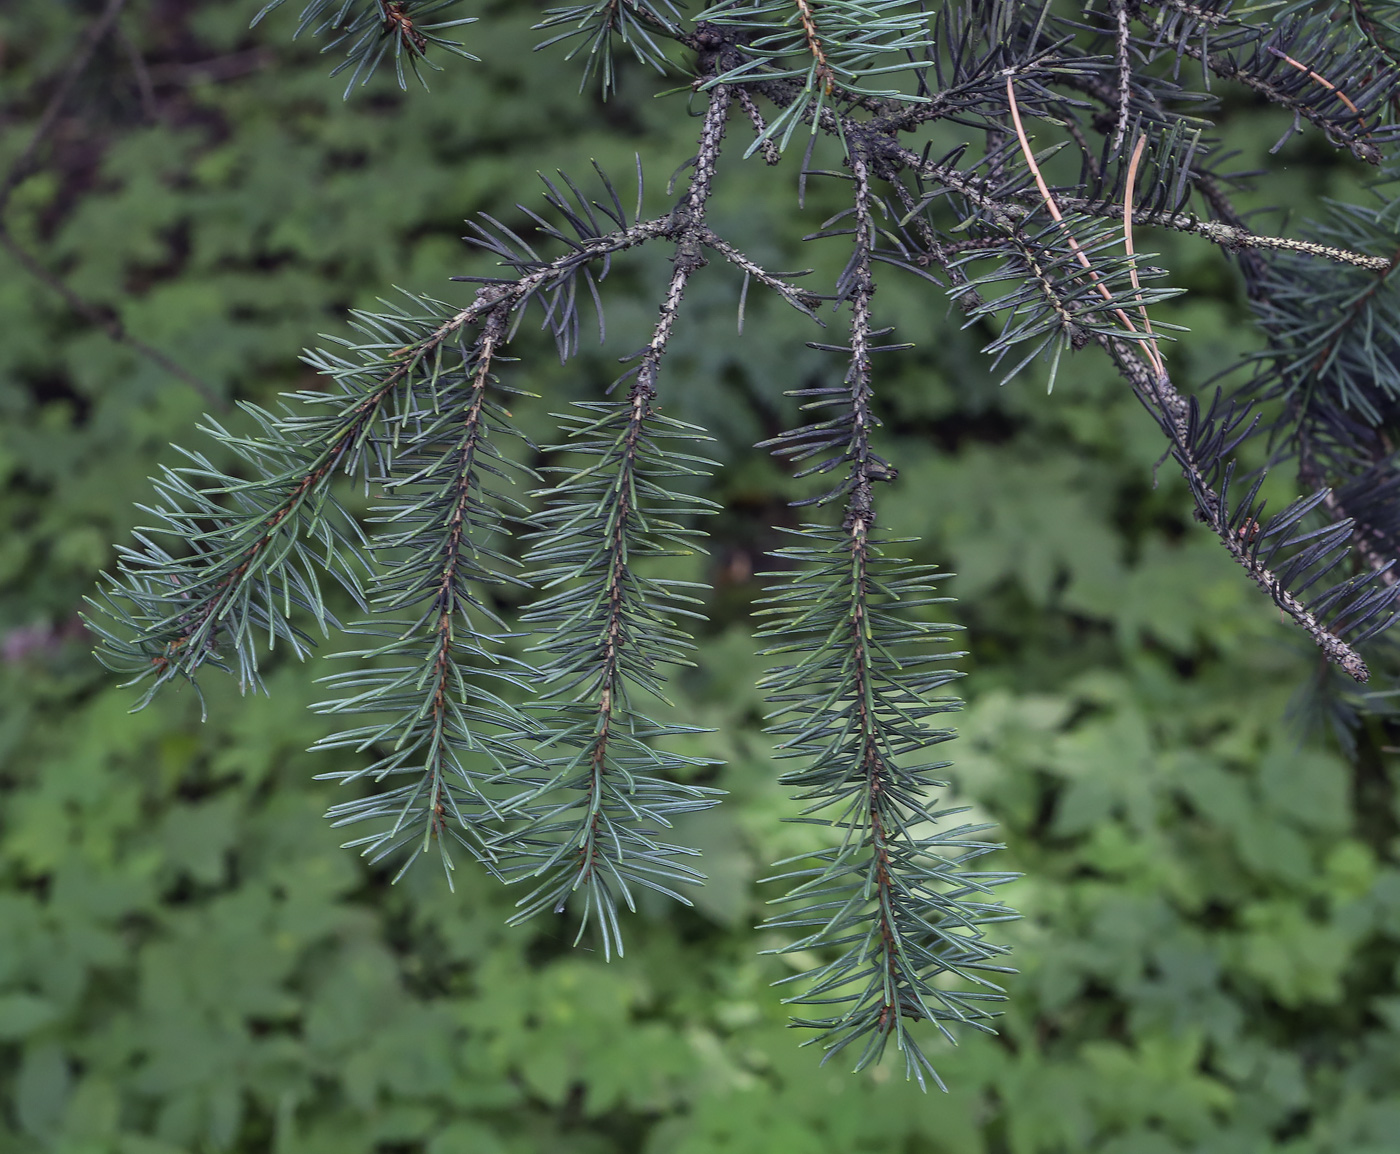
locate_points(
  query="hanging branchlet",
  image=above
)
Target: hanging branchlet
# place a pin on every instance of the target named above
(424, 691)
(591, 821)
(255, 546)
(891, 908)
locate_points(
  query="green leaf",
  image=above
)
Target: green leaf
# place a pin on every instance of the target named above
(24, 1014)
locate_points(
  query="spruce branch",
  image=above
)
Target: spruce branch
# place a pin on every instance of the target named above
(162, 617)
(573, 794)
(588, 822)
(436, 561)
(983, 194)
(1297, 79)
(823, 52)
(1280, 558)
(893, 900)
(599, 23)
(1349, 606)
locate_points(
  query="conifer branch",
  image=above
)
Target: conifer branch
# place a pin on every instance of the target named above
(445, 728)
(1231, 237)
(245, 573)
(572, 793)
(896, 905)
(586, 824)
(1359, 143)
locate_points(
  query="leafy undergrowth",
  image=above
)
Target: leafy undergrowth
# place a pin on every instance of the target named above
(188, 960)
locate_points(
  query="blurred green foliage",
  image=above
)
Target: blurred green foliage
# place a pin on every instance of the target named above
(189, 962)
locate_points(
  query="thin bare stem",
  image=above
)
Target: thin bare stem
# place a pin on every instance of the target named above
(1123, 61)
(772, 154)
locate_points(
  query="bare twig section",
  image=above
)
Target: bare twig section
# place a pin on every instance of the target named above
(1233, 237)
(804, 300)
(689, 232)
(772, 154)
(1194, 11)
(1123, 61)
(1251, 263)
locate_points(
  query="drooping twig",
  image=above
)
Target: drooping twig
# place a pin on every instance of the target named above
(601, 842)
(771, 153)
(189, 639)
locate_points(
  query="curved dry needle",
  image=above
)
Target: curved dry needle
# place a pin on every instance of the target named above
(1156, 355)
(1054, 210)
